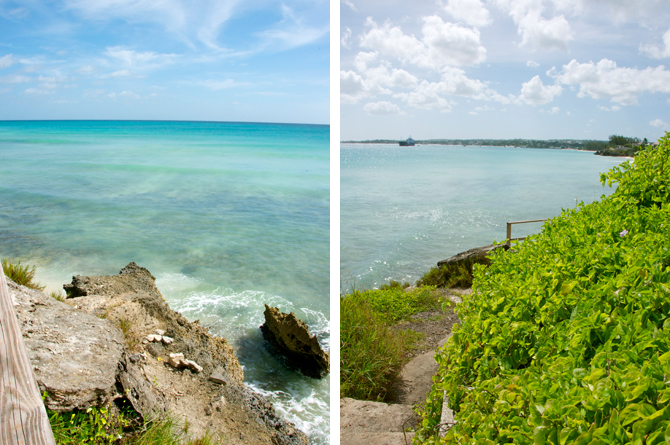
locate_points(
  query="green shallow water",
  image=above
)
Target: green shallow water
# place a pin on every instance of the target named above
(227, 216)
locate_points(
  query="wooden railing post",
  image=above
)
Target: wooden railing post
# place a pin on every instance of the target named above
(23, 419)
(509, 229)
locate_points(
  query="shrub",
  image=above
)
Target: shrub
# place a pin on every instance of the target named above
(567, 338)
(452, 275)
(23, 275)
(394, 285)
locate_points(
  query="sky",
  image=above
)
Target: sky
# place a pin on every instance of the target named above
(533, 69)
(213, 60)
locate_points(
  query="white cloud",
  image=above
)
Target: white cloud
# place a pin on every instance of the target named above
(129, 94)
(554, 110)
(88, 69)
(354, 87)
(382, 108)
(384, 77)
(532, 64)
(7, 61)
(426, 98)
(362, 59)
(545, 34)
(534, 92)
(659, 124)
(472, 12)
(217, 85)
(605, 80)
(350, 4)
(201, 18)
(292, 31)
(652, 50)
(535, 30)
(612, 108)
(39, 91)
(443, 44)
(15, 78)
(134, 59)
(120, 73)
(344, 40)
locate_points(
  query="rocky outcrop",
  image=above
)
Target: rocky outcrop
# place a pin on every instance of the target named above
(364, 422)
(478, 254)
(75, 356)
(95, 349)
(290, 337)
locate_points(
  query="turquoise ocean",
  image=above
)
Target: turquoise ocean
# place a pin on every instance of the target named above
(226, 216)
(403, 209)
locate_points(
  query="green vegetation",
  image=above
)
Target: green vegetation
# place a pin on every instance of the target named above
(371, 352)
(566, 338)
(57, 295)
(101, 427)
(23, 275)
(452, 275)
(623, 141)
(394, 285)
(596, 145)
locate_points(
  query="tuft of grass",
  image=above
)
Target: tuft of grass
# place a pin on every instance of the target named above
(394, 285)
(371, 352)
(452, 275)
(132, 339)
(57, 295)
(23, 275)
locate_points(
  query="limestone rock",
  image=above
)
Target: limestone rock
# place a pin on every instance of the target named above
(75, 355)
(218, 377)
(131, 278)
(132, 300)
(290, 337)
(478, 253)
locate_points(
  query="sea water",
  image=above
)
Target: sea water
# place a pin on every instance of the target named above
(227, 216)
(403, 209)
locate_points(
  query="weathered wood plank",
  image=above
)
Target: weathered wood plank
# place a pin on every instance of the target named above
(23, 419)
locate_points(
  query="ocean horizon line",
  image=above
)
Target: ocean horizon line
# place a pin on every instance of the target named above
(165, 120)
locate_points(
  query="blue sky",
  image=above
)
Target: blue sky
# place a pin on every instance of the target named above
(221, 60)
(582, 69)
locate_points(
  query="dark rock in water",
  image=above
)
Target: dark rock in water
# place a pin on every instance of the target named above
(291, 338)
(478, 253)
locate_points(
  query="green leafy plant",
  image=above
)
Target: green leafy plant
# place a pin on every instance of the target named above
(20, 274)
(566, 338)
(93, 425)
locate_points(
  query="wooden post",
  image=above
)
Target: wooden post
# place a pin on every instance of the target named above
(509, 234)
(23, 419)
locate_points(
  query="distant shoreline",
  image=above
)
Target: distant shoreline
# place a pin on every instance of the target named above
(557, 144)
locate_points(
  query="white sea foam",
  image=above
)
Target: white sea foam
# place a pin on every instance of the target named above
(236, 316)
